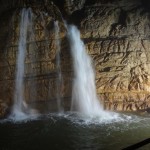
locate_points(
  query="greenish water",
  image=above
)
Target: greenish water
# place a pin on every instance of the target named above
(73, 132)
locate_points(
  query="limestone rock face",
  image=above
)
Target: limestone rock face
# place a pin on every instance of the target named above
(116, 34)
(40, 77)
(117, 37)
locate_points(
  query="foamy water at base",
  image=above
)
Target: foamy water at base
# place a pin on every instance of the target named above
(71, 131)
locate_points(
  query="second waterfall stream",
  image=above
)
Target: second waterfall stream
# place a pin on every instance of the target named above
(84, 97)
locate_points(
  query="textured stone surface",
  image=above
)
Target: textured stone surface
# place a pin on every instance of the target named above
(4, 109)
(117, 37)
(116, 34)
(40, 76)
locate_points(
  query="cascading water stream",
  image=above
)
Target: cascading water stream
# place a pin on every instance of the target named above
(59, 79)
(84, 97)
(20, 106)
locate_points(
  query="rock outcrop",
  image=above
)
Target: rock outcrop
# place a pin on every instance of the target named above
(116, 34)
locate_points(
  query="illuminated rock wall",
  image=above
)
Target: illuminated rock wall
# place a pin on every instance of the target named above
(116, 34)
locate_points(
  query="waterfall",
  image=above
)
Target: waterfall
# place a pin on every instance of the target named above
(84, 97)
(59, 79)
(20, 105)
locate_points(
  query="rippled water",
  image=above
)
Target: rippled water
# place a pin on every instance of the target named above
(72, 131)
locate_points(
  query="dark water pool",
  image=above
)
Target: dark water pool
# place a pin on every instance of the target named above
(71, 132)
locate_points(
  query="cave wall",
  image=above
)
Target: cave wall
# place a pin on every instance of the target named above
(40, 77)
(115, 33)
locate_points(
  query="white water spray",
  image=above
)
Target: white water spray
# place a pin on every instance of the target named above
(84, 97)
(20, 105)
(59, 79)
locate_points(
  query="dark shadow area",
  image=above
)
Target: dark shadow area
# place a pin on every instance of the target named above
(138, 145)
(60, 4)
(91, 2)
(76, 17)
(146, 4)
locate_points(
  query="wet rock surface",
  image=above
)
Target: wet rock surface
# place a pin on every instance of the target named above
(4, 109)
(116, 35)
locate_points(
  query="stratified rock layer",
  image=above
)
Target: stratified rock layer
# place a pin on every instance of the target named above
(40, 78)
(116, 35)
